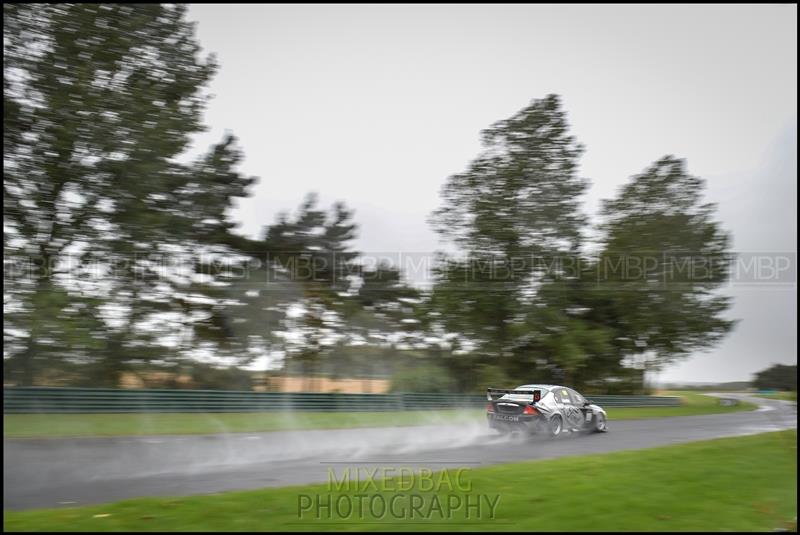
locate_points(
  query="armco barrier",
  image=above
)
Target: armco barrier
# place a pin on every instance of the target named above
(110, 400)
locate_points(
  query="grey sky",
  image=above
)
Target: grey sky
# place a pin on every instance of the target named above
(376, 105)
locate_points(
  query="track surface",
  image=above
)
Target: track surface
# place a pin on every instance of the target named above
(79, 471)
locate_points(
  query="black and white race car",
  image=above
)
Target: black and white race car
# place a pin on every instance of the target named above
(543, 409)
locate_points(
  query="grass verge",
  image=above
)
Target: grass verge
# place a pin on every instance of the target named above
(716, 485)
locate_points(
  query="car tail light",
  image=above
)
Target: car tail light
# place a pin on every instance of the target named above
(530, 410)
(489, 407)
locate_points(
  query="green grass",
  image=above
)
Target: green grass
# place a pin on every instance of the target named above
(59, 425)
(733, 484)
(63, 425)
(787, 396)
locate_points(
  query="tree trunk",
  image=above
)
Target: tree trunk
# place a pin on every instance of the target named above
(39, 315)
(108, 371)
(28, 375)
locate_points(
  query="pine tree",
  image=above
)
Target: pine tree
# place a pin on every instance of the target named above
(514, 210)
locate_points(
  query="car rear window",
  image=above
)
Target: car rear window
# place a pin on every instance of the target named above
(525, 397)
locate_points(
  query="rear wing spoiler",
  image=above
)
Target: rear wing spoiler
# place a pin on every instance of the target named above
(537, 394)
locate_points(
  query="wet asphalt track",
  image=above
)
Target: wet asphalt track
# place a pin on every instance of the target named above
(79, 471)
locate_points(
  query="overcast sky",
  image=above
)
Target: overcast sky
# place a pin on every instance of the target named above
(376, 105)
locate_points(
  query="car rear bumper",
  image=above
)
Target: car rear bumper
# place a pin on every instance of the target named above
(521, 422)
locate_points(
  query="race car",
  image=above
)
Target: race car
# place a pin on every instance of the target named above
(543, 409)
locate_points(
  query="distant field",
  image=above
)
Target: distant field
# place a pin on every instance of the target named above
(716, 485)
(63, 425)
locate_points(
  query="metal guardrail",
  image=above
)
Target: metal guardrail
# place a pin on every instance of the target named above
(111, 400)
(635, 401)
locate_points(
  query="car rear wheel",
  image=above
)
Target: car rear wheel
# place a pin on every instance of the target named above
(556, 426)
(601, 426)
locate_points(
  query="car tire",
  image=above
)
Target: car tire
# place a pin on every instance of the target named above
(601, 425)
(555, 426)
